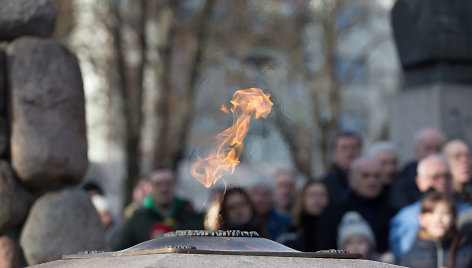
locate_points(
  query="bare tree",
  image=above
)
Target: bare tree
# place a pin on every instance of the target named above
(162, 108)
(171, 142)
(324, 86)
(65, 20)
(130, 83)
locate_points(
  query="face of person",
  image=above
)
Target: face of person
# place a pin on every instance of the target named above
(428, 145)
(458, 157)
(436, 175)
(163, 186)
(316, 198)
(238, 209)
(284, 190)
(437, 222)
(365, 179)
(261, 196)
(347, 149)
(389, 163)
(358, 244)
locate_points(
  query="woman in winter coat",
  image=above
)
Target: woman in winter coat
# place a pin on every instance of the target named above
(237, 212)
(311, 201)
(438, 243)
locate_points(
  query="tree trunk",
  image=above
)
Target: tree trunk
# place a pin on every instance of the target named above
(162, 107)
(195, 67)
(131, 91)
(329, 126)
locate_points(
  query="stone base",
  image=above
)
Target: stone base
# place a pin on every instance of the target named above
(445, 106)
(204, 260)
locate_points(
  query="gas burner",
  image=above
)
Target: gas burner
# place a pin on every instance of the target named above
(231, 242)
(229, 233)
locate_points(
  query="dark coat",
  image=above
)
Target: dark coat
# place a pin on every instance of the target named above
(404, 190)
(466, 195)
(140, 226)
(377, 212)
(303, 237)
(336, 179)
(426, 254)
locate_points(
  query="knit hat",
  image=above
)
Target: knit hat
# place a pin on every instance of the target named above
(353, 224)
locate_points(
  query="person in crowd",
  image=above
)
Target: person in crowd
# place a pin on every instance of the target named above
(433, 175)
(347, 147)
(356, 236)
(438, 244)
(163, 211)
(274, 223)
(142, 189)
(92, 188)
(458, 157)
(427, 141)
(365, 197)
(237, 212)
(311, 201)
(386, 153)
(103, 208)
(285, 191)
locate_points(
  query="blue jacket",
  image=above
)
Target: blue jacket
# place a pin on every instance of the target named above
(277, 224)
(405, 225)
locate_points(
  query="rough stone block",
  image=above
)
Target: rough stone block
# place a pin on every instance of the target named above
(48, 144)
(26, 17)
(9, 253)
(3, 79)
(4, 139)
(61, 222)
(14, 201)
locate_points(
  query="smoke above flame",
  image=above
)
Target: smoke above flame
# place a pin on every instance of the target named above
(224, 154)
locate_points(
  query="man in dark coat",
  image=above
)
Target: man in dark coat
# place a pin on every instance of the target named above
(162, 212)
(347, 147)
(428, 141)
(364, 197)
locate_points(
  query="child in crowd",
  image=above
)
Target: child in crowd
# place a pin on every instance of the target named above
(311, 201)
(438, 244)
(356, 236)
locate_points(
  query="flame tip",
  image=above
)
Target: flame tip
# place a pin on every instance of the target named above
(224, 156)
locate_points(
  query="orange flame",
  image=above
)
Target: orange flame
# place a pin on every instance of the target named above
(224, 109)
(224, 155)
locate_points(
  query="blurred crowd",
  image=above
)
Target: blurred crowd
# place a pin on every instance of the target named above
(418, 215)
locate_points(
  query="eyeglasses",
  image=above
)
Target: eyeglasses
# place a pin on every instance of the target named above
(368, 174)
(438, 176)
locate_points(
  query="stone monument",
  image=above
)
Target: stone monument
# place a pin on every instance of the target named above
(434, 44)
(43, 144)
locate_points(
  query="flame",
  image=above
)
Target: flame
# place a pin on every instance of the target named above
(224, 109)
(226, 186)
(224, 155)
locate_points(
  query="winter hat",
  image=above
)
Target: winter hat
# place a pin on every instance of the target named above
(353, 224)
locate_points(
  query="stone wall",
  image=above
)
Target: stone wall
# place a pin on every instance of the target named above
(43, 145)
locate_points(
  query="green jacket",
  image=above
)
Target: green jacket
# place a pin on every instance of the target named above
(149, 222)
